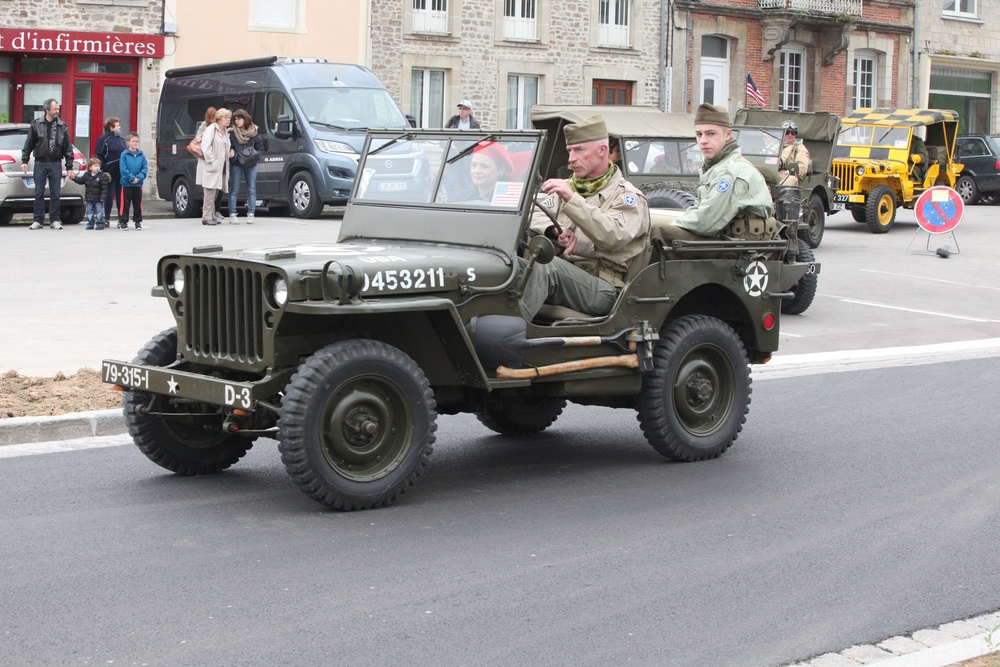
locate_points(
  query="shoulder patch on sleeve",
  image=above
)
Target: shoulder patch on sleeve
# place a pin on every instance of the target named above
(629, 199)
(724, 185)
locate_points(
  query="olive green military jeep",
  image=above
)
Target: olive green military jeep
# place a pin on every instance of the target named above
(658, 151)
(883, 162)
(346, 352)
(757, 130)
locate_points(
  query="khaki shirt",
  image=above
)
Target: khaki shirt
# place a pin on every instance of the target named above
(794, 153)
(612, 226)
(730, 187)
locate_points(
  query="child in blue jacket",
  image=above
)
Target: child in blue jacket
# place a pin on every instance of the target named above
(133, 166)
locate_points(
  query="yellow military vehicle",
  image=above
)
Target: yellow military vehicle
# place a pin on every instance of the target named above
(885, 158)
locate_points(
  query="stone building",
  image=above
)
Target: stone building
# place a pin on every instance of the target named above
(507, 55)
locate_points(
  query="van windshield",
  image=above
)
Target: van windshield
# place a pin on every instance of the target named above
(346, 108)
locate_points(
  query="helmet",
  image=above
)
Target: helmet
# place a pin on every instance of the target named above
(790, 126)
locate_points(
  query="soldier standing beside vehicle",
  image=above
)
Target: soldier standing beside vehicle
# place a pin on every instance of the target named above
(48, 140)
(795, 159)
(603, 226)
(733, 200)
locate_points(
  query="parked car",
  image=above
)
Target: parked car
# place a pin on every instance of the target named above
(980, 179)
(873, 161)
(818, 132)
(17, 192)
(346, 352)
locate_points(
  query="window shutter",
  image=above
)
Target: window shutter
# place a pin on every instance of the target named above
(275, 13)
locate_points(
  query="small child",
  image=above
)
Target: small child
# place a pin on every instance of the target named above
(95, 183)
(133, 166)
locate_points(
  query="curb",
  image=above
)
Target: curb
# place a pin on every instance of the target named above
(25, 430)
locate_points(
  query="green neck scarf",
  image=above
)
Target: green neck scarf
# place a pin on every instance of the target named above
(587, 187)
(730, 146)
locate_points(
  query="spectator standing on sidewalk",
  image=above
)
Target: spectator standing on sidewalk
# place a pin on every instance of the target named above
(96, 190)
(247, 147)
(48, 140)
(463, 120)
(134, 167)
(109, 149)
(215, 174)
(199, 174)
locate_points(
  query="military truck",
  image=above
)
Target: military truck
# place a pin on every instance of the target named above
(659, 153)
(818, 131)
(879, 162)
(347, 352)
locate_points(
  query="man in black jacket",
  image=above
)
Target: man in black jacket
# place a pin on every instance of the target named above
(463, 120)
(48, 140)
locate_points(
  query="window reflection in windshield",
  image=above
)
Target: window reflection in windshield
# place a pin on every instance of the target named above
(344, 108)
(657, 156)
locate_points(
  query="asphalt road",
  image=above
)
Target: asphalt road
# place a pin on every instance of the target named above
(853, 507)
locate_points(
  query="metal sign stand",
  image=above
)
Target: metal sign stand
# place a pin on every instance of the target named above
(939, 210)
(952, 249)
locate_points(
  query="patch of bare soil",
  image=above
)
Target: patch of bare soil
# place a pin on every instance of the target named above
(22, 396)
(988, 660)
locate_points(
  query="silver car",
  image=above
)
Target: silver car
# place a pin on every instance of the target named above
(17, 192)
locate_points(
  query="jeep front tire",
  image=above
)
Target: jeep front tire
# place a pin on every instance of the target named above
(880, 209)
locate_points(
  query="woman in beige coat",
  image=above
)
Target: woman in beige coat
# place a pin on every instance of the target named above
(215, 175)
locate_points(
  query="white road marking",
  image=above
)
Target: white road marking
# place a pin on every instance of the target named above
(875, 304)
(935, 280)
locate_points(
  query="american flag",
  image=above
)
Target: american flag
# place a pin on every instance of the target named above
(507, 194)
(753, 93)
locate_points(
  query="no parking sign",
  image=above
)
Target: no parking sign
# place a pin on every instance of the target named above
(939, 210)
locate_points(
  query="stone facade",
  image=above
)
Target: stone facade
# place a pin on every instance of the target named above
(476, 56)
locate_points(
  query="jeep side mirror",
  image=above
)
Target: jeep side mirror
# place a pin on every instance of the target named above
(916, 159)
(540, 251)
(285, 128)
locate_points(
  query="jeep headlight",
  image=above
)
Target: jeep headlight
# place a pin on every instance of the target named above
(279, 291)
(860, 171)
(337, 147)
(176, 274)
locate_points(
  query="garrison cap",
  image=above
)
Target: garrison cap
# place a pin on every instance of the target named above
(709, 114)
(591, 129)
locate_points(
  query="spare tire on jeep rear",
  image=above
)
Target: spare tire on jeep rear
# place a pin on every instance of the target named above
(669, 198)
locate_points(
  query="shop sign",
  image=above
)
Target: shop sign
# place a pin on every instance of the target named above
(81, 43)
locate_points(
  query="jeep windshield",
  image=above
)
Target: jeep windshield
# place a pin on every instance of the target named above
(659, 156)
(470, 188)
(872, 135)
(761, 146)
(345, 108)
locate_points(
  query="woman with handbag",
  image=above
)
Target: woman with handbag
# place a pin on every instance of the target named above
(247, 147)
(194, 148)
(215, 167)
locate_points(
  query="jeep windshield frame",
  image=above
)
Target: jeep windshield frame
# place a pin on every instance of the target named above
(445, 187)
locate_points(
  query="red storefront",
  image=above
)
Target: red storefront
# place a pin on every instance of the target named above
(93, 74)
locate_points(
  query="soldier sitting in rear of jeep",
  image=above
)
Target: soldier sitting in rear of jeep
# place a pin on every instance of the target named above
(603, 225)
(733, 200)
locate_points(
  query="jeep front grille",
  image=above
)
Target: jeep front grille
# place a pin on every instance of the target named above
(845, 172)
(224, 312)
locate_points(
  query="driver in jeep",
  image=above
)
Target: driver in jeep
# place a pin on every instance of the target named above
(733, 199)
(603, 225)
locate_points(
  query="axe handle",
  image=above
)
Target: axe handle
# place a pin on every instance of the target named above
(624, 360)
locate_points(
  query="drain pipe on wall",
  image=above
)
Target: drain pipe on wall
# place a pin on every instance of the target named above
(916, 61)
(663, 55)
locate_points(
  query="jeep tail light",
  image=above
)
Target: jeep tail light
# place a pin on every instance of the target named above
(768, 321)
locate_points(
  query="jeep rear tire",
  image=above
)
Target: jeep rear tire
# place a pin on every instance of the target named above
(858, 213)
(880, 209)
(669, 198)
(694, 403)
(184, 447)
(522, 415)
(814, 222)
(805, 288)
(356, 425)
(303, 198)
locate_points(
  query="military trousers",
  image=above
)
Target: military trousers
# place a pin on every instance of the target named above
(563, 284)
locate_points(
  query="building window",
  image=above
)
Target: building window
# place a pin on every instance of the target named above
(430, 15)
(864, 80)
(969, 92)
(960, 7)
(522, 94)
(610, 93)
(427, 97)
(274, 15)
(791, 79)
(613, 23)
(519, 19)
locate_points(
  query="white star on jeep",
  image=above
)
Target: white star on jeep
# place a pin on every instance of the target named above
(756, 279)
(172, 384)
